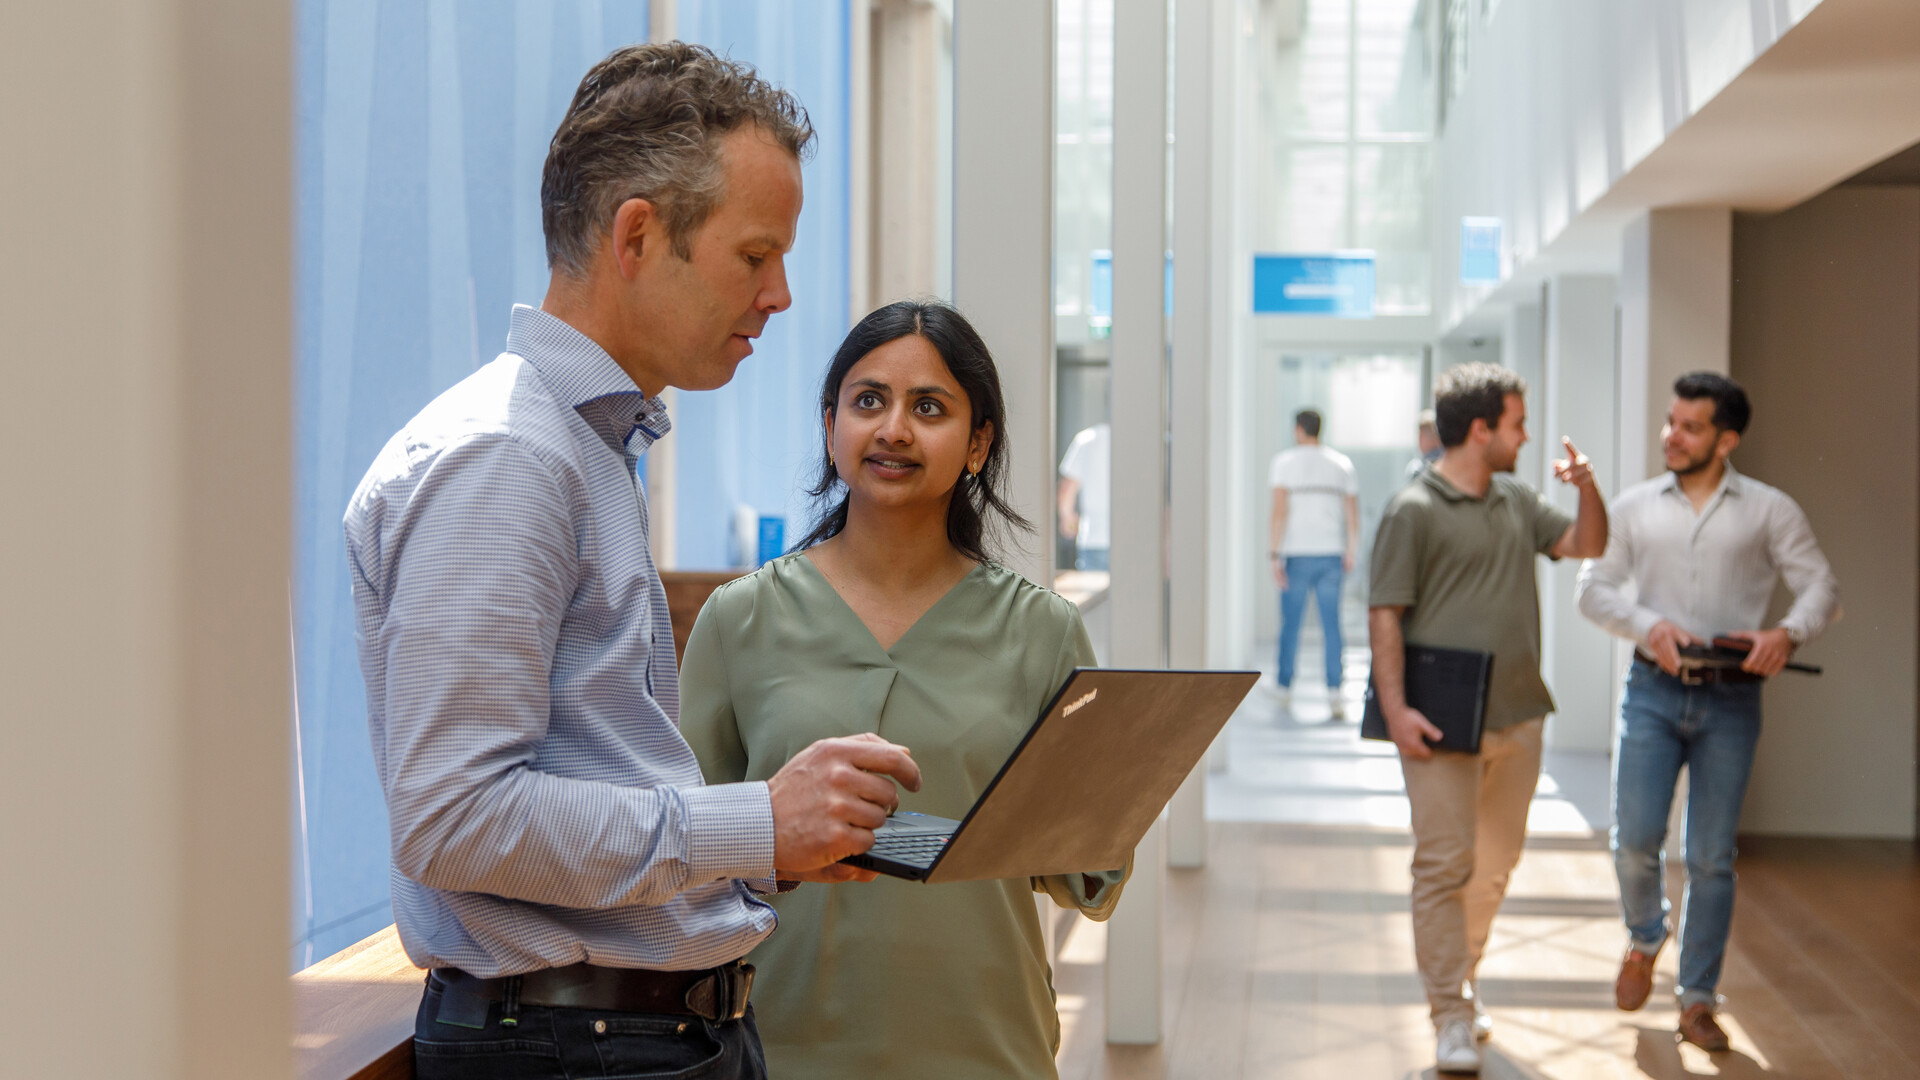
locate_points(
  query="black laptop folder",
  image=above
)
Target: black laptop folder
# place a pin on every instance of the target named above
(1449, 688)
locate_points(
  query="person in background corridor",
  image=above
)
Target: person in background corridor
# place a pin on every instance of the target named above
(1703, 546)
(1086, 496)
(1313, 542)
(1429, 441)
(1453, 567)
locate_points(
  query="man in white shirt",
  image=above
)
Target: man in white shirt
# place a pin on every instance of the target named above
(1314, 538)
(1703, 546)
(1086, 495)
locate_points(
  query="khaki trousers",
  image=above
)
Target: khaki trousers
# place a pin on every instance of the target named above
(1469, 824)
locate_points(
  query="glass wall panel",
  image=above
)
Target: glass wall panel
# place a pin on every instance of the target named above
(1315, 187)
(1393, 80)
(1390, 217)
(747, 447)
(1083, 282)
(1341, 125)
(1310, 83)
(1083, 171)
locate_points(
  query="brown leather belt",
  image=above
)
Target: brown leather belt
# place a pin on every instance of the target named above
(1698, 675)
(715, 994)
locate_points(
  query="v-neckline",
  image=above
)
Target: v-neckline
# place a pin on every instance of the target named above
(862, 623)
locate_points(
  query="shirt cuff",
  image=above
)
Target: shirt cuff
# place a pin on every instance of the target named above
(730, 831)
(1643, 623)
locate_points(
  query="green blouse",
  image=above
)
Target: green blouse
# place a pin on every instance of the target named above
(893, 978)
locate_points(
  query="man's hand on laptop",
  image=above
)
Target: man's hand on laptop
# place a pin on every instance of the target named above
(828, 800)
(1410, 731)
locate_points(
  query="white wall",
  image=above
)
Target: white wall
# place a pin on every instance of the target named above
(144, 213)
(1676, 286)
(1576, 657)
(1003, 141)
(1562, 99)
(1826, 339)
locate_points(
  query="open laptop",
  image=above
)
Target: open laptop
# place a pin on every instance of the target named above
(1082, 787)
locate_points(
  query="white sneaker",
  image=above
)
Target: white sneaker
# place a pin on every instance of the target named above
(1337, 704)
(1455, 1050)
(1272, 686)
(1482, 1022)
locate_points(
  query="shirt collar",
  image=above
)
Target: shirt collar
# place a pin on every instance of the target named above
(1441, 485)
(1732, 483)
(587, 378)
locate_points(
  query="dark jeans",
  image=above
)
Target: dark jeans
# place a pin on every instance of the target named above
(572, 1044)
(1317, 576)
(1712, 730)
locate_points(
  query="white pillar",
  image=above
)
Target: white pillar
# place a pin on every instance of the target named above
(1190, 440)
(1676, 304)
(145, 200)
(1003, 235)
(1522, 348)
(1579, 403)
(1676, 307)
(1139, 550)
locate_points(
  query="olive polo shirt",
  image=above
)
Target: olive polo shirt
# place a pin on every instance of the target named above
(1463, 569)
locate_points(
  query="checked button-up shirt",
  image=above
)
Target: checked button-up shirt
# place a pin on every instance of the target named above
(521, 688)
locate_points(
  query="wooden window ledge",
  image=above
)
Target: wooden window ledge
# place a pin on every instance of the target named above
(1086, 588)
(353, 1013)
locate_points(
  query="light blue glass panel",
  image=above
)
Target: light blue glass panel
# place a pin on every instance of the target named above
(751, 443)
(420, 131)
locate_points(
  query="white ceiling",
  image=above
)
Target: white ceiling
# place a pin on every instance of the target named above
(1835, 95)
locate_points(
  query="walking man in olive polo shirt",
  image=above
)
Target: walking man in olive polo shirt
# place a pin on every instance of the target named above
(1453, 567)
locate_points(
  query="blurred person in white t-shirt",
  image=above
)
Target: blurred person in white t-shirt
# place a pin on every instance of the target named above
(1086, 496)
(1314, 541)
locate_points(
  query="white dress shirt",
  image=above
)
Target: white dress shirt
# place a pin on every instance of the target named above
(1711, 571)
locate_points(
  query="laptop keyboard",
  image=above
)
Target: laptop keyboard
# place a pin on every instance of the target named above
(912, 849)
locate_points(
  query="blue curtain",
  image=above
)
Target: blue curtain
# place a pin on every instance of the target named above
(421, 129)
(758, 434)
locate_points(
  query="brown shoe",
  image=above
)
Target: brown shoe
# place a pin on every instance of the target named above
(1630, 990)
(1698, 1027)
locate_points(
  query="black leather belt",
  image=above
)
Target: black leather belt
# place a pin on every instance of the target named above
(715, 994)
(1700, 675)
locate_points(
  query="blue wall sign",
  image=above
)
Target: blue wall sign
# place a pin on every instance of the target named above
(773, 538)
(1479, 251)
(1338, 284)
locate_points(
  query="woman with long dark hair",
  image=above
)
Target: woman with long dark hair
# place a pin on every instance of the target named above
(892, 617)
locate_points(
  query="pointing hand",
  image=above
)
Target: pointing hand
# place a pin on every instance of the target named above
(1573, 469)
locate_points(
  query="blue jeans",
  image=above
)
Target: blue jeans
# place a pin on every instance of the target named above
(1092, 558)
(571, 1044)
(1712, 729)
(1317, 576)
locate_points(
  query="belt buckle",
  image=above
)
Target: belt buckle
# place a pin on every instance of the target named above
(722, 995)
(1693, 675)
